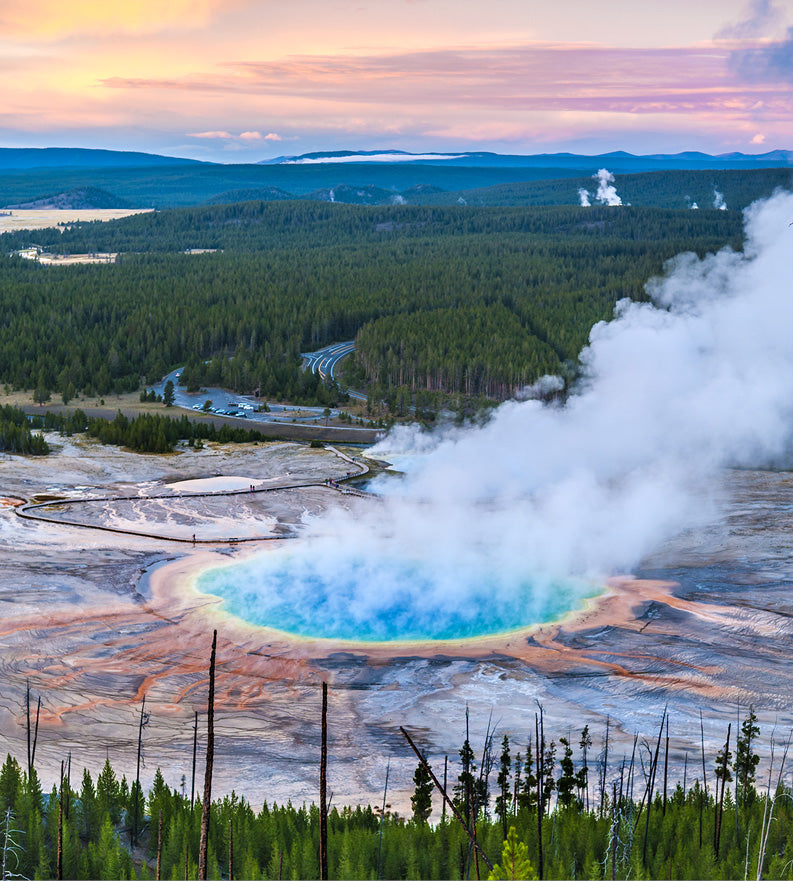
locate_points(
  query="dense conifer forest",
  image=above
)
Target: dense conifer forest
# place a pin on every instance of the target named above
(477, 302)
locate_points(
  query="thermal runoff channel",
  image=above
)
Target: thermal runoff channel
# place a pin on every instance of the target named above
(496, 527)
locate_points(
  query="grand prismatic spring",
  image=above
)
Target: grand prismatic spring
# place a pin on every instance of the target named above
(297, 592)
(475, 579)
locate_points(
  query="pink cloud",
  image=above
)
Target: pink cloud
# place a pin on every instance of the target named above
(223, 136)
(529, 78)
(228, 136)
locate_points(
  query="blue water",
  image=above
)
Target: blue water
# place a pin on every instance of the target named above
(363, 600)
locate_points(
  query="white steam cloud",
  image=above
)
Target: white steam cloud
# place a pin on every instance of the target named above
(673, 392)
(718, 201)
(607, 192)
(583, 198)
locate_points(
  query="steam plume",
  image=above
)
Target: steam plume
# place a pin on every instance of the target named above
(672, 392)
(607, 192)
(718, 201)
(583, 198)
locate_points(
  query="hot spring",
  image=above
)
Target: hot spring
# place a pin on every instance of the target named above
(356, 598)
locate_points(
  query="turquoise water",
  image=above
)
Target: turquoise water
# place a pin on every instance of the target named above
(358, 599)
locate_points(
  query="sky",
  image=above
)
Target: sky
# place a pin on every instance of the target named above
(245, 80)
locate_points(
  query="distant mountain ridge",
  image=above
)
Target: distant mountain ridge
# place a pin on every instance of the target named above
(17, 158)
(476, 178)
(13, 159)
(617, 160)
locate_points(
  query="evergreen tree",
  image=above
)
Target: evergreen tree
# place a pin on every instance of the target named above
(10, 784)
(527, 796)
(88, 809)
(168, 395)
(421, 800)
(582, 778)
(503, 797)
(41, 395)
(108, 794)
(464, 789)
(515, 863)
(746, 760)
(566, 784)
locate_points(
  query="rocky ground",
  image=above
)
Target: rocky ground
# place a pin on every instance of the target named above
(95, 620)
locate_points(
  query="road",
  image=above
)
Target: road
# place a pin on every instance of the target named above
(325, 361)
(245, 407)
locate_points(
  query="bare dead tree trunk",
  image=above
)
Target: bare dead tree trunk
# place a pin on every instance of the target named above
(629, 786)
(35, 735)
(59, 855)
(653, 770)
(323, 787)
(721, 796)
(195, 746)
(666, 762)
(685, 771)
(703, 796)
(68, 784)
(186, 863)
(469, 796)
(768, 816)
(231, 849)
(614, 834)
(133, 833)
(382, 817)
(204, 842)
(445, 778)
(446, 798)
(484, 774)
(540, 766)
(159, 846)
(605, 767)
(27, 709)
(6, 839)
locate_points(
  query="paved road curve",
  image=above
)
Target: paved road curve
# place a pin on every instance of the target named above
(325, 361)
(236, 406)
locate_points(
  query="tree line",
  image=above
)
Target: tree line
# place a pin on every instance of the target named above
(516, 806)
(16, 435)
(144, 433)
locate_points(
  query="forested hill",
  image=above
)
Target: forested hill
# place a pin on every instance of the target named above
(658, 189)
(447, 300)
(172, 183)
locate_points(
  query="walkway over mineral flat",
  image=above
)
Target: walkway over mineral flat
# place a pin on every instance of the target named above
(39, 510)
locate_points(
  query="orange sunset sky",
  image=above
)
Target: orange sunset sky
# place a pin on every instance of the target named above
(243, 80)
